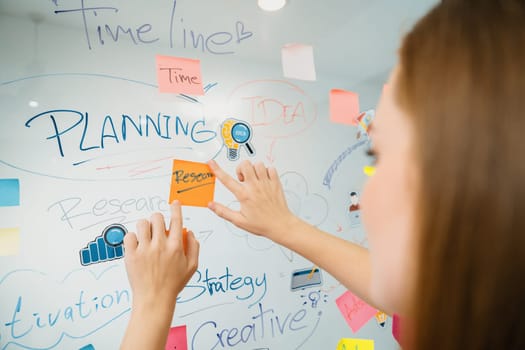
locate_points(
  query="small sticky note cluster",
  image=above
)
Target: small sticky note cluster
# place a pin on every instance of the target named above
(9, 236)
(183, 76)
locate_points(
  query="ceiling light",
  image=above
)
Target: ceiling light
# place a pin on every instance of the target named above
(271, 5)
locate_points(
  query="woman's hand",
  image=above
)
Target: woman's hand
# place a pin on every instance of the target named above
(263, 206)
(158, 267)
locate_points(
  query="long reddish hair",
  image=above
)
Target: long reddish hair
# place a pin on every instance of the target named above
(462, 83)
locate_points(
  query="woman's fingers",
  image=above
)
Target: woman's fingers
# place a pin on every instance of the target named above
(143, 232)
(261, 171)
(175, 233)
(228, 181)
(158, 228)
(130, 242)
(226, 213)
(272, 174)
(246, 171)
(192, 251)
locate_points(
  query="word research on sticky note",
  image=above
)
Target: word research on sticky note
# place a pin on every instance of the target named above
(192, 183)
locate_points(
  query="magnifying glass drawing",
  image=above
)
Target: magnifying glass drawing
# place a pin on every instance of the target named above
(114, 234)
(242, 133)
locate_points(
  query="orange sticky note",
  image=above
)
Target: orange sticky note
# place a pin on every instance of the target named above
(344, 107)
(185, 239)
(177, 339)
(179, 75)
(192, 183)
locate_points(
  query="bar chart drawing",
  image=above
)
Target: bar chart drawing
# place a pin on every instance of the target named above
(106, 247)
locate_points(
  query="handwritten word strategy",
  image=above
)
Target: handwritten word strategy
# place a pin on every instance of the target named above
(98, 32)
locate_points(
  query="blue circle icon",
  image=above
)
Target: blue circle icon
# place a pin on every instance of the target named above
(241, 132)
(114, 234)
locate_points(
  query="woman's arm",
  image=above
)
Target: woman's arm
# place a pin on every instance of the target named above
(264, 212)
(159, 265)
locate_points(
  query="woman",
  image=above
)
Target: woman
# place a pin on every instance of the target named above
(450, 259)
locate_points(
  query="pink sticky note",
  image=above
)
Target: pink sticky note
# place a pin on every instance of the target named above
(355, 311)
(298, 61)
(396, 328)
(344, 107)
(177, 339)
(179, 75)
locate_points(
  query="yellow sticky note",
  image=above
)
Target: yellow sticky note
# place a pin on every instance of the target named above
(369, 170)
(355, 344)
(9, 241)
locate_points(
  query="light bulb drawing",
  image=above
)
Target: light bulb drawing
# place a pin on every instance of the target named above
(314, 297)
(381, 318)
(235, 134)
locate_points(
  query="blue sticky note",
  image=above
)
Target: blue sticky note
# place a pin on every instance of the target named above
(9, 192)
(88, 347)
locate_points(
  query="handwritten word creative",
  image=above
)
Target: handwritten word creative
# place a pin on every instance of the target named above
(105, 26)
(192, 183)
(179, 75)
(266, 323)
